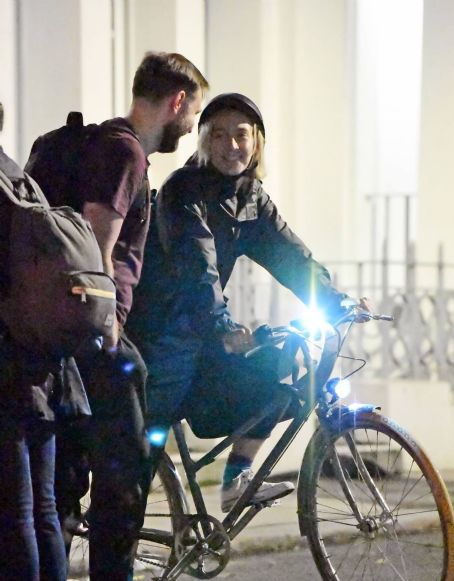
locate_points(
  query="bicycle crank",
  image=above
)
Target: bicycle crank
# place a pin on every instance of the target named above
(208, 544)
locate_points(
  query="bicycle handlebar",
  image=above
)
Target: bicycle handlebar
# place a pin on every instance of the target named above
(268, 336)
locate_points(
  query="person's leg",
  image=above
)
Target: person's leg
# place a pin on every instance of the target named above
(171, 363)
(119, 457)
(235, 390)
(41, 437)
(72, 471)
(19, 557)
(240, 458)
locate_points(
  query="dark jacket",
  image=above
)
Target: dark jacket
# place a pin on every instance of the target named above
(203, 222)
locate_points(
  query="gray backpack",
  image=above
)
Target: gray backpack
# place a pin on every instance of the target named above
(54, 296)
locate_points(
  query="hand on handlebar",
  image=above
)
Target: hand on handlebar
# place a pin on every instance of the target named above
(238, 341)
(364, 306)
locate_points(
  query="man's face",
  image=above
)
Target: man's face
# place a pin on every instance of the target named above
(182, 124)
(232, 142)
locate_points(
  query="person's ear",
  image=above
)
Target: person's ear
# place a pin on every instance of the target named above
(177, 100)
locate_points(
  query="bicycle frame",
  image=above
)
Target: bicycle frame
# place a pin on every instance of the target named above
(311, 387)
(307, 394)
(191, 467)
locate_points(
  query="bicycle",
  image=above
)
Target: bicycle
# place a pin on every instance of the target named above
(369, 499)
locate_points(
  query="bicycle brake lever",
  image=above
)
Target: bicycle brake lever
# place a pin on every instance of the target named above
(389, 318)
(368, 316)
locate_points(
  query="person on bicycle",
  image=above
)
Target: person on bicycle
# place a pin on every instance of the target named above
(207, 215)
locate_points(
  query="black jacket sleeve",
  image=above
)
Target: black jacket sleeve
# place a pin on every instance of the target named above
(189, 246)
(271, 243)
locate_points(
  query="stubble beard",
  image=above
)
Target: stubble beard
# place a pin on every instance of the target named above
(171, 134)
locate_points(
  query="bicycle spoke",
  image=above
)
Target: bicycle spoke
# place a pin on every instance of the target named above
(390, 525)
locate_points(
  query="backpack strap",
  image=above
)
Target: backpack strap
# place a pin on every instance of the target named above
(11, 191)
(36, 188)
(8, 187)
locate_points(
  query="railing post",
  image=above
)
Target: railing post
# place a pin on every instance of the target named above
(360, 293)
(384, 329)
(441, 318)
(415, 319)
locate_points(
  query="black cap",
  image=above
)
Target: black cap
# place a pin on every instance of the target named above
(233, 101)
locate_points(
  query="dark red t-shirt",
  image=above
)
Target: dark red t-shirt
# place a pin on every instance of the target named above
(115, 173)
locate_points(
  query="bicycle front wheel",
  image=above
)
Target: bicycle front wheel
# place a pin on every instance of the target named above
(372, 505)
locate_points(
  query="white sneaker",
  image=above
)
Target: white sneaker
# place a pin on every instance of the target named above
(268, 491)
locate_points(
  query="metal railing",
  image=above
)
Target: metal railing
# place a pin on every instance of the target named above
(419, 344)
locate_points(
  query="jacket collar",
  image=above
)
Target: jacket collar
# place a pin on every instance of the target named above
(236, 196)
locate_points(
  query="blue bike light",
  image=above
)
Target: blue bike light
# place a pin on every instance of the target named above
(339, 387)
(157, 436)
(343, 388)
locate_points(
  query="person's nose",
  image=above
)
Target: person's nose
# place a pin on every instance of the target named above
(233, 144)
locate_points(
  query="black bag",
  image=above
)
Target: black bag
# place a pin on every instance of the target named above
(56, 158)
(54, 296)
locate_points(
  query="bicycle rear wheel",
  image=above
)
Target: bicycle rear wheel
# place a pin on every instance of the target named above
(159, 540)
(156, 547)
(388, 517)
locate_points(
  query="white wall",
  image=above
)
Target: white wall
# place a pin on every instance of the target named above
(424, 409)
(9, 139)
(55, 57)
(96, 61)
(50, 66)
(387, 109)
(437, 132)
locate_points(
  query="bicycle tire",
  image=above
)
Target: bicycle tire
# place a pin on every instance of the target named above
(166, 498)
(387, 544)
(159, 541)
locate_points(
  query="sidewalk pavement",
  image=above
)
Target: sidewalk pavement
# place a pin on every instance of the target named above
(273, 529)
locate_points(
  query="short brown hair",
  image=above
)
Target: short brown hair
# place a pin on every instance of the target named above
(161, 73)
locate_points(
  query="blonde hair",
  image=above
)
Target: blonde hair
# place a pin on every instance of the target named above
(258, 159)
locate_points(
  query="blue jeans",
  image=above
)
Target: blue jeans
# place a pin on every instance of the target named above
(31, 543)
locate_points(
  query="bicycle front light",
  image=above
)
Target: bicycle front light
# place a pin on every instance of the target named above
(312, 320)
(341, 388)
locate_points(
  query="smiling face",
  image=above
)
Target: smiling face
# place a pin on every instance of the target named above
(232, 144)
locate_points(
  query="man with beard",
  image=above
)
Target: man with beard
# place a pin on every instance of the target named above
(167, 95)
